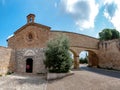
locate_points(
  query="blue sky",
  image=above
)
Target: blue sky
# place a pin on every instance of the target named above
(87, 17)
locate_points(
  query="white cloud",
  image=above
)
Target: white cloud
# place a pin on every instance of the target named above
(112, 12)
(107, 1)
(10, 36)
(83, 12)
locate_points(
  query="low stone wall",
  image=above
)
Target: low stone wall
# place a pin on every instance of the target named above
(5, 56)
(52, 76)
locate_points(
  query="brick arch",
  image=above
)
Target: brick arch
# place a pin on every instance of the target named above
(78, 43)
(78, 40)
(74, 52)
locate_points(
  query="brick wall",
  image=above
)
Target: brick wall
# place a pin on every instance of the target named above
(21, 40)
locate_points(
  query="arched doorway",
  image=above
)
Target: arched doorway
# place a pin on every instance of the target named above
(29, 65)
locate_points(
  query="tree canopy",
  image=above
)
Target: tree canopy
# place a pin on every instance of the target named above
(57, 55)
(109, 34)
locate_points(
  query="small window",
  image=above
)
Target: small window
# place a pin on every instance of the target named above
(30, 36)
(106, 45)
(31, 19)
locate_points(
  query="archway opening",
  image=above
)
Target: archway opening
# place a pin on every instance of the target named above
(83, 57)
(29, 65)
(89, 57)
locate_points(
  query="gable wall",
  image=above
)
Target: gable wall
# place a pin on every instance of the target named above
(21, 40)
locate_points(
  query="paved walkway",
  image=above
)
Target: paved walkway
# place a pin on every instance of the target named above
(88, 79)
(84, 79)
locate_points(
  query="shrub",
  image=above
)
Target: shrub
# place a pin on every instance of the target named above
(8, 73)
(83, 60)
(57, 54)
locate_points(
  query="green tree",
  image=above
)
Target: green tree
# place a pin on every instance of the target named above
(57, 55)
(115, 34)
(84, 60)
(109, 34)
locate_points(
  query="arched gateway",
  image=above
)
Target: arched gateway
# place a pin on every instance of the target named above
(78, 43)
(30, 40)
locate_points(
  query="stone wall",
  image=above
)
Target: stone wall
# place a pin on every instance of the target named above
(93, 59)
(37, 55)
(5, 57)
(109, 54)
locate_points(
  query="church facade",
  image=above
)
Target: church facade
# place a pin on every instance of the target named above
(29, 43)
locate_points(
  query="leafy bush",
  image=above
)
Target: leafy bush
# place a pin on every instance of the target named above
(8, 73)
(57, 54)
(83, 60)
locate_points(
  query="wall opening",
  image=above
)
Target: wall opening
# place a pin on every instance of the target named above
(90, 58)
(29, 65)
(83, 57)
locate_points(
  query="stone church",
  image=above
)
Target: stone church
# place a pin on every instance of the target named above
(25, 51)
(29, 42)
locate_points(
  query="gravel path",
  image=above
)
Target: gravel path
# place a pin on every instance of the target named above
(88, 79)
(22, 82)
(84, 79)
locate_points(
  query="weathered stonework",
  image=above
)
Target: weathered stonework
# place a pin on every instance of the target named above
(37, 54)
(5, 57)
(109, 54)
